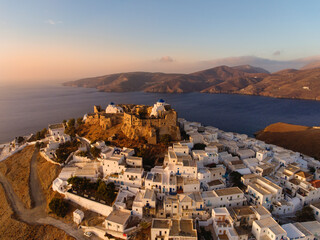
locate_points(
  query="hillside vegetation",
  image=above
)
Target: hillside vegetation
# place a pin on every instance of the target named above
(294, 137)
(245, 79)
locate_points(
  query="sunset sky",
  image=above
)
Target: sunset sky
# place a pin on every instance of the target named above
(70, 39)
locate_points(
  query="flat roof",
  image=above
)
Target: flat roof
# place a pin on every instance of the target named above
(215, 182)
(292, 231)
(261, 210)
(249, 176)
(56, 126)
(119, 216)
(183, 227)
(228, 191)
(243, 210)
(259, 189)
(160, 223)
(134, 170)
(267, 222)
(208, 194)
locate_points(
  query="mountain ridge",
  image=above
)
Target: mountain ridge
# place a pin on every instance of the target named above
(242, 79)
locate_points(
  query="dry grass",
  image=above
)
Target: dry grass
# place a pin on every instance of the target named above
(294, 137)
(13, 229)
(17, 170)
(47, 172)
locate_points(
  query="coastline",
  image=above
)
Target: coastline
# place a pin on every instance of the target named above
(181, 93)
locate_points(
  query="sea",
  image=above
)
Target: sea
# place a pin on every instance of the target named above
(28, 109)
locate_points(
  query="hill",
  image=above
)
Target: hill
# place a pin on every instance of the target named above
(244, 79)
(294, 137)
(289, 83)
(311, 65)
(225, 79)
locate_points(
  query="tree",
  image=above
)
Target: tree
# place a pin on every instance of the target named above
(79, 184)
(106, 192)
(184, 135)
(312, 169)
(59, 207)
(41, 134)
(305, 214)
(20, 139)
(65, 149)
(82, 154)
(143, 113)
(199, 146)
(79, 121)
(71, 122)
(70, 129)
(95, 152)
(235, 179)
(166, 139)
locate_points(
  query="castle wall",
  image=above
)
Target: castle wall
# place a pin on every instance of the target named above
(133, 127)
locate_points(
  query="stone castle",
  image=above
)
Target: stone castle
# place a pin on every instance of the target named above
(139, 121)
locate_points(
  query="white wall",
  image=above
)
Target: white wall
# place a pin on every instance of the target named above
(89, 204)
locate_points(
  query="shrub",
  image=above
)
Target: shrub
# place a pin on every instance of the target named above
(79, 121)
(199, 146)
(95, 152)
(106, 192)
(59, 207)
(65, 149)
(305, 214)
(166, 139)
(235, 179)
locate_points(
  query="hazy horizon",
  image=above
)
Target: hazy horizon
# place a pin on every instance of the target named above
(42, 41)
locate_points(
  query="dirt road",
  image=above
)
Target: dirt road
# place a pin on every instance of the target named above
(37, 214)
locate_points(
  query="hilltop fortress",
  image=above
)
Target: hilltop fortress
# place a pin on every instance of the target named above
(139, 121)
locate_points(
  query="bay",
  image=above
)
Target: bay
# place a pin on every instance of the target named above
(27, 109)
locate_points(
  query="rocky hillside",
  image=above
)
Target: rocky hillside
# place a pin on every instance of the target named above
(297, 138)
(245, 79)
(223, 78)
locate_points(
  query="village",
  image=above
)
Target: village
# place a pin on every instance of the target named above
(211, 184)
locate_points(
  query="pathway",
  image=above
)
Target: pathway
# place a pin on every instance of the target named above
(37, 214)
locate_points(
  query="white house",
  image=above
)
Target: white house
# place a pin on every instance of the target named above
(297, 231)
(112, 108)
(158, 108)
(178, 229)
(117, 220)
(78, 215)
(268, 227)
(56, 129)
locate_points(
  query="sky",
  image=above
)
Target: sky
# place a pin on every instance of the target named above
(61, 40)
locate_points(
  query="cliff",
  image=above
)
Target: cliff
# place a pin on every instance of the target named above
(134, 123)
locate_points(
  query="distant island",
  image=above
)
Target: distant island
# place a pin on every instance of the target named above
(244, 79)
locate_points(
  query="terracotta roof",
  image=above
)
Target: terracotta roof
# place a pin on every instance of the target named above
(315, 183)
(303, 174)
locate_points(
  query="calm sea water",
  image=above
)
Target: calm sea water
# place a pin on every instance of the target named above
(28, 109)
